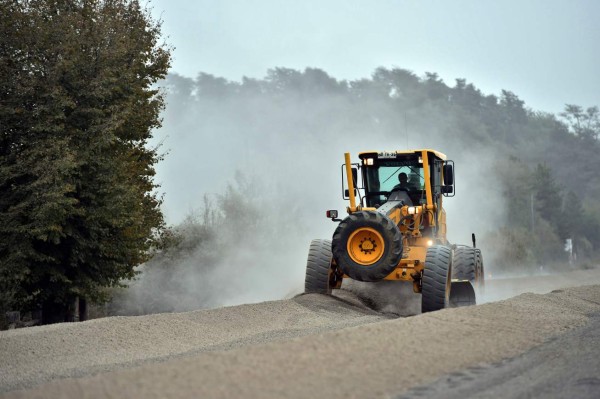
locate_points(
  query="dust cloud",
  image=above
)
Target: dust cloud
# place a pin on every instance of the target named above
(292, 151)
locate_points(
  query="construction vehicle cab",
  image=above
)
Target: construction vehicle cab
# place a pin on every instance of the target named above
(396, 230)
(381, 173)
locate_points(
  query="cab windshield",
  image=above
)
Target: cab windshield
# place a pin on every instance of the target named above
(387, 176)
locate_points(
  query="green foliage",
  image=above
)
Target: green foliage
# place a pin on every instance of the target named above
(548, 200)
(77, 105)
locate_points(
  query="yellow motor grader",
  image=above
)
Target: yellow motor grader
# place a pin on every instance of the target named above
(396, 230)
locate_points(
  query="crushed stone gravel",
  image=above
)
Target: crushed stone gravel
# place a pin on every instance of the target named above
(310, 345)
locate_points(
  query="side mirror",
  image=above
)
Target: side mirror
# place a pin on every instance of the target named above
(355, 177)
(347, 192)
(448, 175)
(447, 189)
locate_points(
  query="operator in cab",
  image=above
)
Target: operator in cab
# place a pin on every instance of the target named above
(403, 185)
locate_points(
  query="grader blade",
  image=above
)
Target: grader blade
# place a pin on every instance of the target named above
(461, 294)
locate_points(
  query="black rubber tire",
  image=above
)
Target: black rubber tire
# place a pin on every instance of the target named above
(392, 239)
(464, 264)
(435, 287)
(318, 268)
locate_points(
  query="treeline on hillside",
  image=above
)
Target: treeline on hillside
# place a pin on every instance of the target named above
(545, 165)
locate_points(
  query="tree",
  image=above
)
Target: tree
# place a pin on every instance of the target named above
(467, 95)
(574, 217)
(436, 89)
(585, 124)
(78, 104)
(548, 200)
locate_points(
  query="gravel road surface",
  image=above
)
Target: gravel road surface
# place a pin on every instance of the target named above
(309, 346)
(568, 366)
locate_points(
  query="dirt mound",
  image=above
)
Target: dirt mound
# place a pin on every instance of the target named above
(34, 355)
(309, 346)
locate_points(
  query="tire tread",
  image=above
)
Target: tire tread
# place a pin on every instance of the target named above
(464, 264)
(318, 266)
(438, 263)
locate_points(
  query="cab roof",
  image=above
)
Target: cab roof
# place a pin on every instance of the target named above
(369, 154)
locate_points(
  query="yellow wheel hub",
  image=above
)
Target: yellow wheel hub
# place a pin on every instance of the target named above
(365, 246)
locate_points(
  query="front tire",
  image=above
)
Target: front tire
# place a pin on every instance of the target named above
(435, 287)
(367, 246)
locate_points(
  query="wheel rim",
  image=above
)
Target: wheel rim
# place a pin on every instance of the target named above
(365, 246)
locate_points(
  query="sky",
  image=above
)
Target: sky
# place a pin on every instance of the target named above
(545, 51)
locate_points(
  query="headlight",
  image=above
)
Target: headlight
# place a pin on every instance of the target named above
(429, 243)
(413, 210)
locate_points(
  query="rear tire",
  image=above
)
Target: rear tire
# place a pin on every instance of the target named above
(319, 268)
(384, 239)
(464, 268)
(464, 264)
(435, 287)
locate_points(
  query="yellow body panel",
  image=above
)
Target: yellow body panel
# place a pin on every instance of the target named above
(350, 183)
(427, 184)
